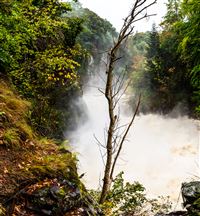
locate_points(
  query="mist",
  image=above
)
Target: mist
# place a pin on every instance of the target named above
(161, 152)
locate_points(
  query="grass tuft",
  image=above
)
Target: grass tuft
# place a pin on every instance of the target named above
(11, 138)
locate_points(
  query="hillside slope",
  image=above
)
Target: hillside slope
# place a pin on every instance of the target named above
(37, 176)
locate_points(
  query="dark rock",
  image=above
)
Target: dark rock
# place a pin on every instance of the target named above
(177, 213)
(55, 198)
(190, 192)
(191, 200)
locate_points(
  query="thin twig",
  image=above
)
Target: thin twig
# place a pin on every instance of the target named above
(125, 134)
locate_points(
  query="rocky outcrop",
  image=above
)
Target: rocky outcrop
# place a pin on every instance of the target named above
(191, 197)
(191, 200)
(52, 197)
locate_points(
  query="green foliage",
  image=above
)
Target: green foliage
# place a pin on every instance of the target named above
(138, 44)
(153, 58)
(40, 55)
(169, 79)
(96, 37)
(179, 51)
(170, 74)
(15, 129)
(173, 14)
(49, 69)
(189, 44)
(127, 198)
(97, 33)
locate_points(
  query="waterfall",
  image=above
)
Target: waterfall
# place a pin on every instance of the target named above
(160, 152)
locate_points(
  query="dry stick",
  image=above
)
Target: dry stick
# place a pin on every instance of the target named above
(108, 94)
(126, 30)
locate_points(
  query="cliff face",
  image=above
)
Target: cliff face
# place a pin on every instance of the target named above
(37, 176)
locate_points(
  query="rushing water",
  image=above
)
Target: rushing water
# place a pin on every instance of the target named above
(161, 152)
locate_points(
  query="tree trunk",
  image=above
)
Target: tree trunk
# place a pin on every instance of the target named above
(111, 95)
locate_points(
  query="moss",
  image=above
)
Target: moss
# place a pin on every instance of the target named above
(11, 103)
(45, 142)
(25, 130)
(62, 165)
(16, 104)
(4, 89)
(2, 98)
(11, 138)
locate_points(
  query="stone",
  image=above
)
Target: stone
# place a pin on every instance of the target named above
(190, 192)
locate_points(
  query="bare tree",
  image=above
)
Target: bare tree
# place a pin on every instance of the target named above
(113, 93)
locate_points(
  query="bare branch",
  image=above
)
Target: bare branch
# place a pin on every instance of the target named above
(118, 84)
(122, 126)
(124, 137)
(98, 142)
(100, 90)
(125, 89)
(100, 145)
(113, 94)
(146, 16)
(144, 8)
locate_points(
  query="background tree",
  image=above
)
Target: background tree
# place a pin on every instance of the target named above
(96, 38)
(40, 55)
(189, 43)
(167, 74)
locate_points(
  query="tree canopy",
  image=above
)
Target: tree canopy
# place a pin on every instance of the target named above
(171, 71)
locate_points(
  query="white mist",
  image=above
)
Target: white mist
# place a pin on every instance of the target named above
(160, 153)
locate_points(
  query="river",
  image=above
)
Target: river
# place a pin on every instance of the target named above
(161, 152)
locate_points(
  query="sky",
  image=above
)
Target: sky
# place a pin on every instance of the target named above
(115, 11)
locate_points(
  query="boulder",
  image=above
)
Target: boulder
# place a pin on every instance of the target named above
(191, 197)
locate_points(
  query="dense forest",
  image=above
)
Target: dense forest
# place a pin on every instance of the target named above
(48, 51)
(168, 68)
